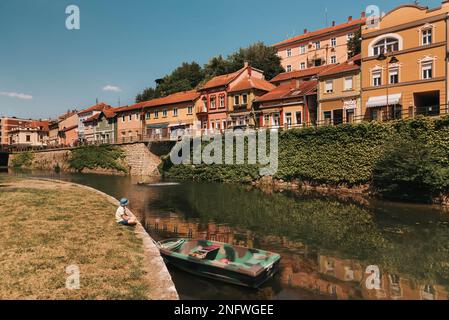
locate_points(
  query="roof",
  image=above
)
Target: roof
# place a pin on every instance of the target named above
(97, 107)
(300, 73)
(289, 91)
(179, 97)
(223, 80)
(321, 32)
(350, 65)
(253, 83)
(108, 113)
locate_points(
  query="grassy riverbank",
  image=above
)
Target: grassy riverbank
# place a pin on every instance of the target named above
(47, 226)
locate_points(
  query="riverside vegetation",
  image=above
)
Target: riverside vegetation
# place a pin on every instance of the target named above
(403, 159)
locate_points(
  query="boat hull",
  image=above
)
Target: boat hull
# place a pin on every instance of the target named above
(224, 275)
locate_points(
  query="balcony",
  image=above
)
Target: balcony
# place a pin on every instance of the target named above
(201, 109)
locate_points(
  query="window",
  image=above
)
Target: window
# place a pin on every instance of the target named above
(148, 115)
(276, 120)
(329, 87)
(302, 65)
(327, 115)
(204, 105)
(156, 114)
(266, 120)
(348, 85)
(385, 45)
(289, 68)
(317, 45)
(190, 110)
(244, 99)
(137, 116)
(123, 119)
(427, 36)
(222, 101)
(377, 78)
(164, 113)
(28, 138)
(236, 100)
(333, 42)
(299, 117)
(288, 119)
(333, 59)
(213, 103)
(302, 49)
(175, 112)
(394, 76)
(427, 71)
(130, 117)
(350, 36)
(289, 52)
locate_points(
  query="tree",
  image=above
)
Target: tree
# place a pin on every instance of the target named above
(411, 170)
(355, 43)
(147, 94)
(217, 66)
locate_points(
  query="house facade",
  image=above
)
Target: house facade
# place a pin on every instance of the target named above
(404, 67)
(320, 47)
(213, 106)
(86, 114)
(30, 134)
(7, 124)
(68, 130)
(171, 117)
(289, 105)
(339, 93)
(101, 127)
(130, 123)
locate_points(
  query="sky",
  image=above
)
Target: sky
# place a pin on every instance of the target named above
(123, 46)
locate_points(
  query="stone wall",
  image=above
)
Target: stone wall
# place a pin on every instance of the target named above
(138, 159)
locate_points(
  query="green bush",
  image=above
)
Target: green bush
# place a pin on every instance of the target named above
(91, 157)
(411, 170)
(22, 160)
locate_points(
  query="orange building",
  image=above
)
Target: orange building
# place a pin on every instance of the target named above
(7, 124)
(404, 63)
(320, 47)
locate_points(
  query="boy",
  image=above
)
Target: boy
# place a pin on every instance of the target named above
(122, 217)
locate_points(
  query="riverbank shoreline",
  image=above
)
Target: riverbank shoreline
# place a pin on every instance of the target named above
(45, 230)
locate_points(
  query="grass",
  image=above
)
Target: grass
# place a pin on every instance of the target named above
(46, 227)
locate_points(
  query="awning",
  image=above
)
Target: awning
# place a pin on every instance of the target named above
(158, 126)
(382, 101)
(174, 125)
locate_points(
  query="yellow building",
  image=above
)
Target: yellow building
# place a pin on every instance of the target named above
(404, 69)
(339, 93)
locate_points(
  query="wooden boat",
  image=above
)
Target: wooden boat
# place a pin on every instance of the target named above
(221, 261)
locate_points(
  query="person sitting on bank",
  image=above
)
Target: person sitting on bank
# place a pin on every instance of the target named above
(122, 216)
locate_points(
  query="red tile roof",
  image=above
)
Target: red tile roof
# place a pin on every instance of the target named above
(97, 107)
(179, 97)
(300, 73)
(70, 128)
(220, 81)
(253, 83)
(322, 32)
(289, 91)
(108, 113)
(351, 65)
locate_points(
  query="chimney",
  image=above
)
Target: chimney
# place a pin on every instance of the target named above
(305, 31)
(350, 18)
(363, 15)
(333, 23)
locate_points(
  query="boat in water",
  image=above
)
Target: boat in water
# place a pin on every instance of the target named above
(221, 261)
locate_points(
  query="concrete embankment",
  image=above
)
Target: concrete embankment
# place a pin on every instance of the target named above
(139, 160)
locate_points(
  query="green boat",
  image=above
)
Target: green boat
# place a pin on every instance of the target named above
(221, 261)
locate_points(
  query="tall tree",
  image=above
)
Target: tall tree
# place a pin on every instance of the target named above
(355, 44)
(216, 66)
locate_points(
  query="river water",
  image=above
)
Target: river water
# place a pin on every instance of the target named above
(330, 248)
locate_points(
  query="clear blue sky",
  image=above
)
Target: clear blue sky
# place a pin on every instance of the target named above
(46, 69)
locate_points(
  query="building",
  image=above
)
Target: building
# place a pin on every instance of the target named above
(339, 93)
(320, 47)
(130, 123)
(212, 107)
(290, 105)
(86, 114)
(7, 124)
(404, 63)
(171, 117)
(29, 134)
(301, 75)
(68, 129)
(241, 97)
(101, 127)
(53, 134)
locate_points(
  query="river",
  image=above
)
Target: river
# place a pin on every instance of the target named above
(330, 248)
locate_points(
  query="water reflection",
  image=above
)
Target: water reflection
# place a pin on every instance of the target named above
(326, 244)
